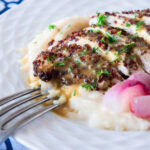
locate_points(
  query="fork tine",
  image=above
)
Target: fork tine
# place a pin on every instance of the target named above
(36, 114)
(22, 110)
(26, 120)
(21, 101)
(17, 95)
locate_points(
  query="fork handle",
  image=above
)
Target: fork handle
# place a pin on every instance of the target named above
(5, 133)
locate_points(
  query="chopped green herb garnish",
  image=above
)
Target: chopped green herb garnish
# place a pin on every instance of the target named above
(132, 57)
(77, 55)
(68, 26)
(69, 69)
(88, 86)
(111, 38)
(51, 26)
(114, 60)
(106, 52)
(100, 72)
(78, 62)
(117, 57)
(126, 48)
(107, 73)
(94, 31)
(97, 31)
(119, 28)
(103, 40)
(97, 12)
(35, 42)
(135, 15)
(95, 50)
(128, 25)
(84, 52)
(61, 63)
(119, 33)
(139, 25)
(99, 66)
(74, 93)
(90, 30)
(132, 37)
(108, 88)
(50, 58)
(61, 32)
(101, 20)
(117, 54)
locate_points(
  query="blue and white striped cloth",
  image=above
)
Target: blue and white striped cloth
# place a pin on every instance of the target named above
(10, 143)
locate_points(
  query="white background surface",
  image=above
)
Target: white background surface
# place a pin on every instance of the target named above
(17, 28)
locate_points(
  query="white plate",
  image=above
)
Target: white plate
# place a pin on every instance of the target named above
(50, 132)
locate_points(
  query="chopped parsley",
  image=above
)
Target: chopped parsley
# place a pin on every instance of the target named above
(88, 86)
(50, 58)
(139, 25)
(74, 93)
(106, 52)
(61, 63)
(103, 40)
(61, 32)
(95, 50)
(111, 38)
(119, 33)
(94, 31)
(132, 57)
(115, 60)
(99, 66)
(128, 25)
(35, 42)
(90, 30)
(119, 28)
(100, 72)
(51, 26)
(68, 26)
(69, 69)
(97, 12)
(108, 88)
(117, 57)
(84, 52)
(135, 15)
(126, 48)
(78, 62)
(132, 37)
(101, 20)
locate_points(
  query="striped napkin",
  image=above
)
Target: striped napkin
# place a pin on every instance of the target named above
(10, 143)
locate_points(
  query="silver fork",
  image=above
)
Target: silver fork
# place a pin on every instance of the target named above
(6, 108)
